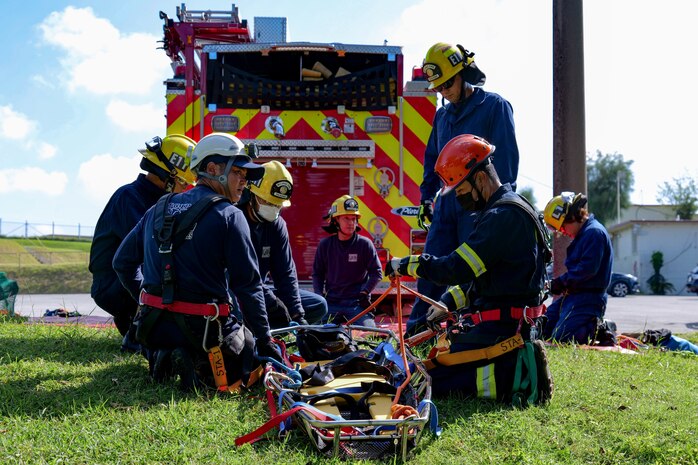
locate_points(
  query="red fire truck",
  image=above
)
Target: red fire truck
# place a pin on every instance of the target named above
(337, 115)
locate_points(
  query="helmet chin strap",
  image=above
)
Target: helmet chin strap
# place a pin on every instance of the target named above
(223, 178)
(253, 209)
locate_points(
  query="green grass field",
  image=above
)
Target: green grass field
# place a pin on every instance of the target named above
(70, 396)
(47, 266)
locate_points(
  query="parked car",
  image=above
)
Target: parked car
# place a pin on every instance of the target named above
(623, 284)
(692, 281)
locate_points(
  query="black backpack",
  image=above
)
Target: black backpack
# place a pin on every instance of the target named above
(324, 343)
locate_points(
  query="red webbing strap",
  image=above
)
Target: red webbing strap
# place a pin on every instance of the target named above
(271, 403)
(516, 313)
(257, 434)
(186, 308)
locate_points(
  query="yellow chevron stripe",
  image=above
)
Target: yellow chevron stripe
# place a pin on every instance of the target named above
(393, 199)
(391, 146)
(188, 119)
(416, 122)
(390, 240)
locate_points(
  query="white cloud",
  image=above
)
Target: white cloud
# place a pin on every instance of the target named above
(13, 125)
(102, 174)
(32, 179)
(46, 150)
(132, 118)
(99, 58)
(19, 127)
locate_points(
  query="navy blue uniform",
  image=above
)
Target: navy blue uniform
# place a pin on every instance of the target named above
(483, 114)
(273, 251)
(501, 255)
(218, 257)
(573, 317)
(125, 207)
(342, 271)
(506, 263)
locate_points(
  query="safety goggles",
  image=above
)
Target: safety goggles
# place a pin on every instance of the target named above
(445, 86)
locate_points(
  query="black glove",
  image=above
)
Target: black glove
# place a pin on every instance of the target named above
(300, 319)
(426, 214)
(364, 300)
(556, 286)
(277, 313)
(269, 349)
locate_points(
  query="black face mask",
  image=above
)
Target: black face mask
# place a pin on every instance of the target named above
(466, 201)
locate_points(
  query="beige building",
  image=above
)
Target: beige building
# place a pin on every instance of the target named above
(644, 229)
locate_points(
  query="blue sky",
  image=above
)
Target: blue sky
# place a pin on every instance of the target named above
(82, 85)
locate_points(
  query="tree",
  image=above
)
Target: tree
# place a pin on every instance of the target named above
(682, 194)
(657, 282)
(604, 173)
(527, 192)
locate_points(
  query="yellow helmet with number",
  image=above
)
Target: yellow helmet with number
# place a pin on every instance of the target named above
(276, 186)
(169, 158)
(443, 61)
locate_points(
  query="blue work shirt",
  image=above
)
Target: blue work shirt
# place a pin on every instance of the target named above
(589, 260)
(483, 114)
(216, 257)
(125, 207)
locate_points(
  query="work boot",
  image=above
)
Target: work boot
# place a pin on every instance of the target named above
(183, 365)
(161, 365)
(130, 346)
(546, 386)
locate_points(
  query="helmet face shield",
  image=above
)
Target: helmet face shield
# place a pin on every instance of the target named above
(557, 209)
(170, 157)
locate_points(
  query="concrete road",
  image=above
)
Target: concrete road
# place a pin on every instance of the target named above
(34, 305)
(634, 313)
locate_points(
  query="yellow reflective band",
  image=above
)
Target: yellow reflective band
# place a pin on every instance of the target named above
(486, 384)
(459, 297)
(471, 258)
(412, 264)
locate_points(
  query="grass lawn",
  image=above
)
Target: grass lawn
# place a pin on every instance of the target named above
(69, 396)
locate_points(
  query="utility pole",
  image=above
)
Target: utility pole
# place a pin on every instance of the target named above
(569, 147)
(618, 197)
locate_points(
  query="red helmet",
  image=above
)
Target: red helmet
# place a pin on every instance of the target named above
(461, 157)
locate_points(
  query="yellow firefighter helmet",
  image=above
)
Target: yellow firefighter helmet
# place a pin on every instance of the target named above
(276, 186)
(443, 61)
(345, 205)
(560, 206)
(169, 159)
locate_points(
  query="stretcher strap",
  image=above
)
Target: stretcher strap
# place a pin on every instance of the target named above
(468, 356)
(275, 421)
